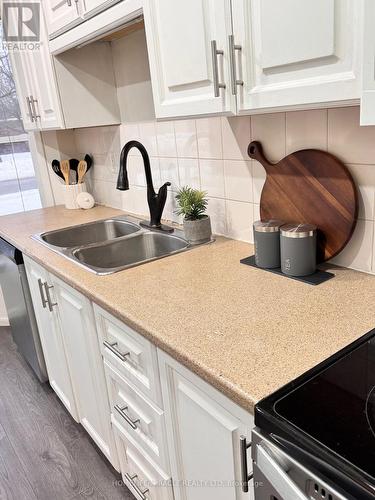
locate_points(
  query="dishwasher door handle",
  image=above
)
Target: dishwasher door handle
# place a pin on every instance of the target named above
(277, 476)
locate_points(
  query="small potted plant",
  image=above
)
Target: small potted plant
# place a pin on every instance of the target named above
(192, 204)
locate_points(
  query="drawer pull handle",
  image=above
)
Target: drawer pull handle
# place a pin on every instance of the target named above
(125, 416)
(245, 476)
(48, 295)
(116, 352)
(44, 301)
(142, 494)
(215, 68)
(232, 58)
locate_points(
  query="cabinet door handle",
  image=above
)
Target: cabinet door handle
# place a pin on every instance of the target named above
(245, 476)
(233, 70)
(215, 68)
(28, 100)
(142, 494)
(34, 101)
(116, 352)
(125, 416)
(48, 295)
(44, 301)
(69, 2)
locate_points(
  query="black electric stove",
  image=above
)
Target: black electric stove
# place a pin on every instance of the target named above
(326, 418)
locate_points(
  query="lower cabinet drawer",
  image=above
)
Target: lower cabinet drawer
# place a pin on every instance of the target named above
(144, 479)
(143, 420)
(132, 355)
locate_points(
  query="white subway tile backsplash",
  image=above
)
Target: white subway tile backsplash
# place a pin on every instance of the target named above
(358, 252)
(306, 130)
(169, 172)
(186, 138)
(238, 180)
(364, 177)
(211, 154)
(171, 208)
(217, 211)
(259, 178)
(240, 219)
(212, 177)
(147, 136)
(347, 139)
(135, 201)
(129, 132)
(188, 169)
(209, 138)
(236, 137)
(270, 131)
(166, 139)
(136, 171)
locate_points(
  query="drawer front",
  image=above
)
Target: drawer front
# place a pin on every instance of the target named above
(141, 419)
(144, 479)
(130, 353)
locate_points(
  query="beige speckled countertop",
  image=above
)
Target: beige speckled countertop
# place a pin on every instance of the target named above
(245, 331)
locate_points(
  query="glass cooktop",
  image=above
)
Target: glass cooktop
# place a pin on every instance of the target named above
(336, 407)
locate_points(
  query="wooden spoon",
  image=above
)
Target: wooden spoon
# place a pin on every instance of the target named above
(81, 170)
(65, 170)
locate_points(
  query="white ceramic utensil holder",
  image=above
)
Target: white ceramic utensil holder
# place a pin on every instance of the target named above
(71, 192)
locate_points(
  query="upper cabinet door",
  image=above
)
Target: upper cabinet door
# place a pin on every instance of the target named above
(368, 66)
(188, 75)
(45, 96)
(92, 7)
(296, 52)
(24, 87)
(61, 15)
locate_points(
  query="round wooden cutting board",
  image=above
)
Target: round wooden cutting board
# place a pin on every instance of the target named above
(310, 186)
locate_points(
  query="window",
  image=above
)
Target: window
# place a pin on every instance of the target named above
(18, 186)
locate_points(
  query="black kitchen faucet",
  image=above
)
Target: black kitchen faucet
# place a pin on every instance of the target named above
(156, 201)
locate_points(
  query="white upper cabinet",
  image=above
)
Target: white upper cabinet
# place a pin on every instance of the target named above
(61, 15)
(296, 53)
(36, 86)
(92, 7)
(189, 77)
(24, 87)
(368, 66)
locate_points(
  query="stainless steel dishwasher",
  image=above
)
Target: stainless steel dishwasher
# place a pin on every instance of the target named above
(20, 309)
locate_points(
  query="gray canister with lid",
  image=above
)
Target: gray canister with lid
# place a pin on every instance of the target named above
(298, 249)
(267, 243)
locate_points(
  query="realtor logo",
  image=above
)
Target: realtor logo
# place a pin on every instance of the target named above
(21, 21)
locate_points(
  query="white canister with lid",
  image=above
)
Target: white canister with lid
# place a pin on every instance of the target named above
(298, 249)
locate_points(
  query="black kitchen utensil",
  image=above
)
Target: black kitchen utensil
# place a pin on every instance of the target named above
(73, 164)
(56, 169)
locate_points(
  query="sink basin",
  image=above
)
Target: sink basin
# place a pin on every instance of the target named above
(137, 249)
(87, 234)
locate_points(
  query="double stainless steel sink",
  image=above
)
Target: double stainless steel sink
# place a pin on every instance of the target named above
(110, 245)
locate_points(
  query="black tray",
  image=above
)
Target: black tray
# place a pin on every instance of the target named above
(313, 279)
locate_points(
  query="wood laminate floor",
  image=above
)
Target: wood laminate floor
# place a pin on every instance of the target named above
(44, 453)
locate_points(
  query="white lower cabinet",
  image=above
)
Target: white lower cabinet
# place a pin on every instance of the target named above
(204, 430)
(144, 479)
(50, 334)
(86, 366)
(172, 435)
(142, 419)
(70, 344)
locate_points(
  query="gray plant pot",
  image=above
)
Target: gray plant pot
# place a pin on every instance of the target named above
(198, 231)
